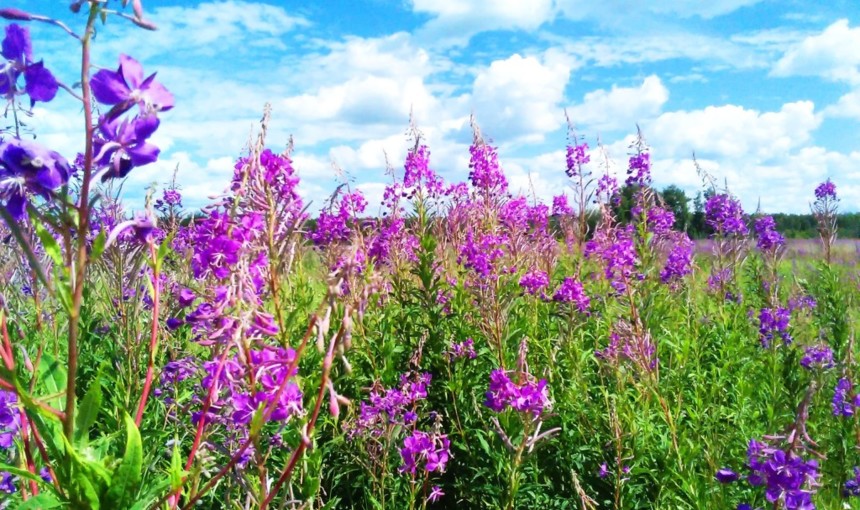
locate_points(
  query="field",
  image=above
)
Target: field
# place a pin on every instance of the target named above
(469, 348)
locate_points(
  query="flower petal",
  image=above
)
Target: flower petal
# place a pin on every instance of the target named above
(108, 87)
(131, 70)
(40, 83)
(143, 154)
(16, 45)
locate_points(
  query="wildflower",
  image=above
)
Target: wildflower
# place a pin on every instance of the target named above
(433, 450)
(560, 206)
(39, 82)
(122, 144)
(27, 167)
(526, 397)
(571, 291)
(435, 494)
(464, 349)
(817, 356)
(768, 239)
(724, 214)
(786, 476)
(534, 281)
(604, 471)
(826, 190)
(485, 174)
(679, 263)
(639, 169)
(841, 403)
(10, 419)
(726, 475)
(774, 322)
(126, 87)
(576, 159)
(852, 486)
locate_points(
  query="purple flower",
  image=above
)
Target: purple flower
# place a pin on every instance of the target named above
(826, 190)
(560, 206)
(786, 476)
(679, 262)
(726, 475)
(659, 220)
(817, 357)
(768, 239)
(122, 144)
(435, 494)
(639, 169)
(852, 486)
(576, 159)
(534, 281)
(431, 450)
(526, 397)
(724, 214)
(27, 167)
(464, 349)
(571, 291)
(10, 419)
(774, 322)
(485, 174)
(126, 87)
(39, 83)
(842, 404)
(604, 471)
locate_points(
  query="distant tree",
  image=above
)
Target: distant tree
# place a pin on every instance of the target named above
(678, 202)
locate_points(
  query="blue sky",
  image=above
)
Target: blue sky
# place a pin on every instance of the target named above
(766, 93)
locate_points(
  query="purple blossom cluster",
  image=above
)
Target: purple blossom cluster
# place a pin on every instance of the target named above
(817, 357)
(464, 349)
(10, 419)
(534, 282)
(418, 176)
(786, 476)
(637, 349)
(427, 451)
(334, 226)
(852, 486)
(844, 399)
(615, 248)
(659, 220)
(482, 255)
(527, 396)
(826, 191)
(485, 174)
(236, 400)
(393, 406)
(768, 240)
(773, 323)
(17, 50)
(679, 261)
(639, 169)
(576, 158)
(560, 206)
(724, 214)
(571, 291)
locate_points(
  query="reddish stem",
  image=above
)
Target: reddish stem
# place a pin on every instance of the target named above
(153, 337)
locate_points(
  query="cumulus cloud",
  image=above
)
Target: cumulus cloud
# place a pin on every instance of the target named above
(619, 107)
(454, 22)
(520, 97)
(831, 54)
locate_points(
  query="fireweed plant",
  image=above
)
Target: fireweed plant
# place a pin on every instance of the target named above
(457, 346)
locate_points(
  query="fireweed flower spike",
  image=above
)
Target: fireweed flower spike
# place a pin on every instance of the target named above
(122, 144)
(127, 87)
(29, 168)
(39, 83)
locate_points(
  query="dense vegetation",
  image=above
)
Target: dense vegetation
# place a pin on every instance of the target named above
(469, 349)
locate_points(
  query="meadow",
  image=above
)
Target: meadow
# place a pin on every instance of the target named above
(469, 348)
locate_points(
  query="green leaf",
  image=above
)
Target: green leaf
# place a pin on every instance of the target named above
(88, 411)
(52, 249)
(98, 246)
(52, 378)
(40, 502)
(126, 477)
(176, 472)
(153, 493)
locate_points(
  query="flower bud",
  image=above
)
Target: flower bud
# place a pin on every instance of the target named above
(15, 14)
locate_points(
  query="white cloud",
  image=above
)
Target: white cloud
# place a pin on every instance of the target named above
(520, 97)
(619, 107)
(733, 131)
(831, 54)
(848, 106)
(454, 22)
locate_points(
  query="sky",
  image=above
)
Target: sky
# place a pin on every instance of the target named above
(766, 93)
